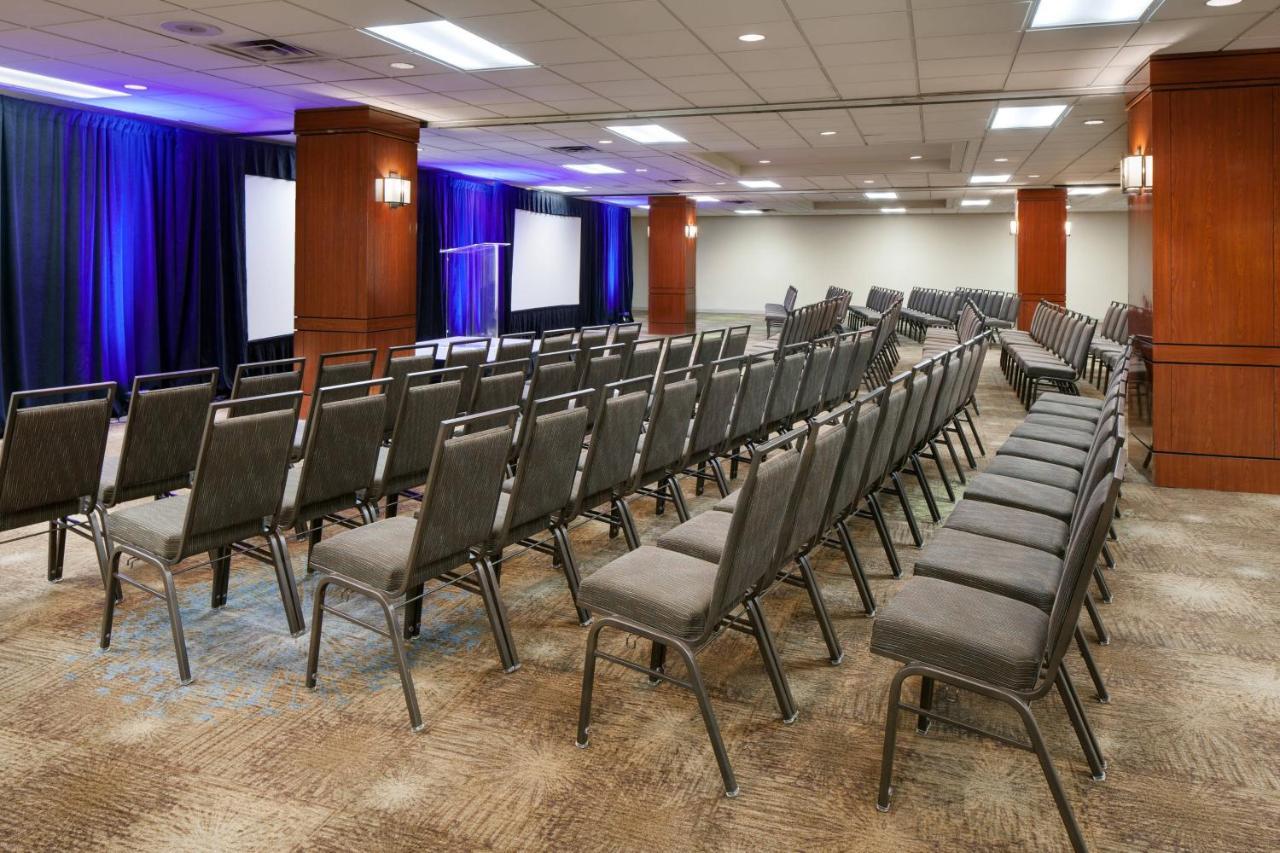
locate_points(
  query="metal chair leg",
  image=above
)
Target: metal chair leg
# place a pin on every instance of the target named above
(882, 529)
(1099, 685)
(288, 587)
(709, 720)
(413, 611)
(175, 625)
(890, 739)
(834, 651)
(497, 613)
(109, 607)
(914, 526)
(772, 665)
(317, 624)
(220, 559)
(57, 547)
(942, 471)
(629, 531)
(588, 684)
(926, 488)
(926, 702)
(569, 565)
(402, 663)
(855, 567)
(1104, 636)
(1051, 777)
(955, 460)
(1080, 722)
(717, 470)
(677, 499)
(657, 661)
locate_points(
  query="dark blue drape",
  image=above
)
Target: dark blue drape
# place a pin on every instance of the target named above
(457, 210)
(121, 245)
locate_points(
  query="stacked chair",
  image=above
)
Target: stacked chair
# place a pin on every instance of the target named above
(775, 314)
(879, 300)
(1051, 354)
(808, 323)
(926, 308)
(999, 307)
(1113, 334)
(884, 350)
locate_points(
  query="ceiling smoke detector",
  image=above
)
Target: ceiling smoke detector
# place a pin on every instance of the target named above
(191, 28)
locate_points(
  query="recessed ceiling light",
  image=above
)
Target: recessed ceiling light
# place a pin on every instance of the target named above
(989, 179)
(975, 202)
(645, 134)
(403, 66)
(1219, 3)
(704, 199)
(593, 168)
(55, 85)
(882, 195)
(135, 87)
(449, 43)
(1033, 176)
(761, 185)
(827, 133)
(642, 170)
(644, 207)
(1086, 190)
(750, 37)
(748, 212)
(721, 183)
(1014, 117)
(1075, 13)
(868, 181)
(1094, 122)
(604, 142)
(917, 156)
(893, 210)
(556, 188)
(1002, 159)
(764, 162)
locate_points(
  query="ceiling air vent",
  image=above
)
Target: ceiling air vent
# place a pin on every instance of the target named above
(267, 51)
(675, 181)
(573, 149)
(191, 28)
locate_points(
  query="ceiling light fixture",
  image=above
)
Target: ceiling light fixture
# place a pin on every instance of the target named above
(868, 181)
(975, 202)
(1078, 13)
(1010, 118)
(748, 212)
(827, 133)
(704, 199)
(592, 168)
(1013, 227)
(893, 210)
(1218, 4)
(1002, 160)
(55, 85)
(881, 195)
(403, 66)
(450, 44)
(989, 179)
(645, 134)
(751, 37)
(764, 162)
(1033, 176)
(557, 188)
(642, 170)
(604, 142)
(1086, 190)
(135, 87)
(761, 185)
(1094, 122)
(917, 156)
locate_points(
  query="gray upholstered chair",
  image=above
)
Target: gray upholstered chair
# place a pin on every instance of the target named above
(998, 647)
(554, 375)
(469, 353)
(515, 345)
(51, 463)
(681, 603)
(662, 450)
(602, 365)
(429, 399)
(266, 379)
(402, 361)
(735, 341)
(557, 340)
(775, 315)
(389, 562)
(645, 358)
(594, 336)
(678, 352)
(498, 388)
(235, 495)
(749, 408)
(781, 405)
(813, 382)
(336, 368)
(897, 394)
(720, 383)
(708, 347)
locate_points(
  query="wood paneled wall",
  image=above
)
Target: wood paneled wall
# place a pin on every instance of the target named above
(356, 268)
(673, 251)
(1041, 249)
(1212, 125)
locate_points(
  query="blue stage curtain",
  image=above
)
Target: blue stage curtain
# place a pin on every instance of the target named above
(457, 210)
(121, 246)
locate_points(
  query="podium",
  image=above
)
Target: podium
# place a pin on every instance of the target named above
(471, 281)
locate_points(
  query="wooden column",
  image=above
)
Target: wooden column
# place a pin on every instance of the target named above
(1040, 252)
(673, 249)
(1212, 127)
(356, 268)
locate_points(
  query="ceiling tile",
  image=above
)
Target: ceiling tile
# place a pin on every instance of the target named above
(275, 18)
(970, 20)
(851, 29)
(620, 18)
(112, 35)
(644, 45)
(958, 47)
(771, 60)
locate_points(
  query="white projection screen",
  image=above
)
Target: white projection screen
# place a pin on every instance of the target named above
(268, 227)
(547, 257)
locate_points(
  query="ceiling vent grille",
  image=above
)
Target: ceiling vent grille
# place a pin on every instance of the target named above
(676, 181)
(574, 149)
(268, 51)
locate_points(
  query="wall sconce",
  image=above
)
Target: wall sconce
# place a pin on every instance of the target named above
(1013, 228)
(392, 190)
(1067, 225)
(691, 231)
(1136, 171)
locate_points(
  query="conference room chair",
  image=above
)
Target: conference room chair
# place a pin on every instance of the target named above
(337, 471)
(707, 350)
(602, 365)
(897, 394)
(997, 647)
(813, 381)
(658, 462)
(266, 379)
(625, 333)
(749, 408)
(390, 561)
(557, 340)
(514, 345)
(780, 407)
(775, 314)
(51, 464)
(835, 390)
(679, 602)
(922, 429)
(336, 368)
(645, 358)
(467, 353)
(543, 484)
(735, 341)
(236, 495)
(917, 388)
(428, 399)
(499, 387)
(403, 361)
(593, 336)
(711, 422)
(553, 376)
(678, 352)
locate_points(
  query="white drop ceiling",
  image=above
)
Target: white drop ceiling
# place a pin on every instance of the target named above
(893, 78)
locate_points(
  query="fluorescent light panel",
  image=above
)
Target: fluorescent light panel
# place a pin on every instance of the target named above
(449, 43)
(761, 185)
(989, 179)
(593, 168)
(1086, 190)
(54, 85)
(557, 188)
(645, 134)
(748, 212)
(1076, 13)
(975, 202)
(1008, 118)
(885, 196)
(704, 199)
(893, 210)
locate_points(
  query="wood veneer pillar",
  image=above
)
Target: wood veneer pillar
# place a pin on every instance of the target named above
(673, 250)
(355, 279)
(1205, 263)
(1040, 253)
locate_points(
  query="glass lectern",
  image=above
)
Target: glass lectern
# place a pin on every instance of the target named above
(471, 289)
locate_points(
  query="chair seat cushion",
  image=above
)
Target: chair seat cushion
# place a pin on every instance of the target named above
(967, 631)
(702, 536)
(1035, 471)
(1060, 422)
(1054, 435)
(374, 554)
(1004, 568)
(1056, 398)
(107, 481)
(728, 504)
(1022, 494)
(1029, 448)
(661, 589)
(1085, 415)
(1049, 369)
(1019, 526)
(154, 526)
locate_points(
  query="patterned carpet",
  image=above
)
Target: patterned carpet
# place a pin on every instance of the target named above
(105, 750)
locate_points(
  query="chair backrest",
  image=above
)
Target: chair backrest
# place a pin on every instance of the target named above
(342, 451)
(515, 345)
(460, 498)
(710, 342)
(603, 365)
(664, 442)
(626, 333)
(345, 368)
(753, 397)
(499, 387)
(645, 358)
(593, 336)
(548, 465)
(51, 458)
(240, 476)
(852, 468)
(678, 353)
(864, 342)
(557, 340)
(470, 353)
(823, 452)
(789, 300)
(735, 341)
(923, 424)
(611, 455)
(814, 381)
(429, 399)
(750, 550)
(266, 379)
(786, 383)
(918, 388)
(715, 409)
(162, 433)
(893, 406)
(837, 385)
(402, 361)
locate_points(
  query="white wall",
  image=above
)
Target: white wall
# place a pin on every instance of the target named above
(744, 262)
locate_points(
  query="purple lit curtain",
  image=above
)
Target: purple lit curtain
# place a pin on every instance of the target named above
(121, 246)
(457, 210)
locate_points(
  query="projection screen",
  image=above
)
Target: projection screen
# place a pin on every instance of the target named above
(547, 256)
(268, 231)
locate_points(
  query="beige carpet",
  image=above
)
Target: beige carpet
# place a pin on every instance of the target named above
(105, 750)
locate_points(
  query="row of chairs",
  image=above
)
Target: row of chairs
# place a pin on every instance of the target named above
(1109, 343)
(927, 307)
(1050, 355)
(804, 487)
(810, 322)
(1000, 307)
(879, 300)
(995, 602)
(970, 323)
